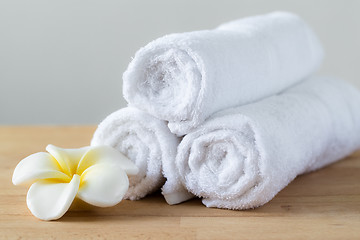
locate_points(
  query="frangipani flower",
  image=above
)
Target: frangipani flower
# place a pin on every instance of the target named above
(96, 175)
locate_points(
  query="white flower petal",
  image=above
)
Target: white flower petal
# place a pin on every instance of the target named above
(38, 166)
(49, 201)
(67, 158)
(106, 154)
(103, 185)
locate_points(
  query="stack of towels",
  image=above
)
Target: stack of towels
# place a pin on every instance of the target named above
(231, 115)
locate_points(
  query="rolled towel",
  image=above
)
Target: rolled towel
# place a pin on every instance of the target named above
(242, 157)
(148, 142)
(184, 78)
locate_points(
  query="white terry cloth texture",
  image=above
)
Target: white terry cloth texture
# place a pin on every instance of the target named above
(148, 142)
(242, 157)
(184, 78)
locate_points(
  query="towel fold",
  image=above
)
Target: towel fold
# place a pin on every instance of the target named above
(184, 78)
(148, 142)
(242, 157)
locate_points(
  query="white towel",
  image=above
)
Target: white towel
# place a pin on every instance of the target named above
(184, 78)
(148, 142)
(242, 157)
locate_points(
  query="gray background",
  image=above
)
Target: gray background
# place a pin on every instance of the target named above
(61, 62)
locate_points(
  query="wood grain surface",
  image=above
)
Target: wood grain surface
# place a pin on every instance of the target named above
(320, 205)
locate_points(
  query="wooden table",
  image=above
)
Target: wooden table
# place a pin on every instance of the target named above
(320, 205)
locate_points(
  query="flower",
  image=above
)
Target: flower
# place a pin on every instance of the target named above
(96, 175)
